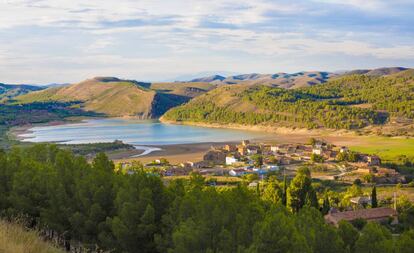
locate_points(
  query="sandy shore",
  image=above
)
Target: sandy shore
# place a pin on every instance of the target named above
(175, 153)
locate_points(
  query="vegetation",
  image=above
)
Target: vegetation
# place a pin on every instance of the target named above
(15, 239)
(112, 97)
(350, 102)
(15, 115)
(97, 205)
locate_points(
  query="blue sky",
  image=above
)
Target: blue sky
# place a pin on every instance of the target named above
(45, 41)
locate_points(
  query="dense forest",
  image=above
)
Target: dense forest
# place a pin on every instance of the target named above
(137, 212)
(349, 102)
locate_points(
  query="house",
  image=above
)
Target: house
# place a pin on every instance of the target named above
(242, 150)
(274, 149)
(187, 164)
(245, 142)
(343, 149)
(253, 184)
(317, 151)
(360, 201)
(272, 167)
(238, 172)
(252, 150)
(215, 156)
(373, 214)
(230, 160)
(373, 160)
(230, 148)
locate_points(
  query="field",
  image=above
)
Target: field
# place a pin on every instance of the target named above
(15, 239)
(387, 148)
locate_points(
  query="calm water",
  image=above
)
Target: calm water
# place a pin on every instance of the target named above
(135, 132)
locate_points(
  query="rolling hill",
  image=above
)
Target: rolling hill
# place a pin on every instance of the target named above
(110, 96)
(9, 91)
(347, 102)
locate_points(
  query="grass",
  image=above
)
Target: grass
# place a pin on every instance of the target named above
(388, 148)
(15, 239)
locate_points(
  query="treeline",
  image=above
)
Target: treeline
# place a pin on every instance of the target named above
(15, 115)
(137, 212)
(346, 103)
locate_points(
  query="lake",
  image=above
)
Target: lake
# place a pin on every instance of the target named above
(135, 132)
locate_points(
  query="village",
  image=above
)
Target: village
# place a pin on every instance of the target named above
(327, 162)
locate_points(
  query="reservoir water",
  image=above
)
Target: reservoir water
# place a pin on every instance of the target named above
(135, 132)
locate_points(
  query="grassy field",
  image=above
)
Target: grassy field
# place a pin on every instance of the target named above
(15, 239)
(387, 148)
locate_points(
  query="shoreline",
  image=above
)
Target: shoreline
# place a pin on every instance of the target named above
(264, 128)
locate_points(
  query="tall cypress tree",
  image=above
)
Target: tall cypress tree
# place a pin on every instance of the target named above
(374, 202)
(284, 193)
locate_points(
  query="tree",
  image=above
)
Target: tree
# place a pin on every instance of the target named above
(258, 160)
(349, 234)
(299, 189)
(374, 202)
(326, 206)
(374, 239)
(317, 158)
(284, 192)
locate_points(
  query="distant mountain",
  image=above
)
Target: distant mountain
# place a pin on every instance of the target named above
(9, 91)
(209, 79)
(375, 72)
(282, 80)
(110, 96)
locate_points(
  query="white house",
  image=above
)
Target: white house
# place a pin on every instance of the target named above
(237, 172)
(272, 167)
(252, 150)
(274, 149)
(231, 160)
(317, 151)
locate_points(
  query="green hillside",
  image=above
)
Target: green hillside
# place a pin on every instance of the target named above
(350, 102)
(112, 97)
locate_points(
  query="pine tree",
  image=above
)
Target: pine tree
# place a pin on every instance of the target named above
(374, 202)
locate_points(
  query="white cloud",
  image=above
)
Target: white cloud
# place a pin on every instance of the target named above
(63, 39)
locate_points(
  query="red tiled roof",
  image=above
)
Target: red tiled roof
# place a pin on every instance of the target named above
(367, 214)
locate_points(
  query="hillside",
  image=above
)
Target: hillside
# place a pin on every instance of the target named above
(8, 91)
(15, 239)
(349, 102)
(110, 96)
(282, 80)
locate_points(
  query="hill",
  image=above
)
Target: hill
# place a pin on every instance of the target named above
(282, 80)
(9, 91)
(15, 239)
(348, 102)
(110, 96)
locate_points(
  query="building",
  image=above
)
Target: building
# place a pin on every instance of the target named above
(242, 150)
(230, 160)
(215, 156)
(317, 151)
(252, 150)
(274, 149)
(238, 172)
(343, 149)
(373, 160)
(245, 142)
(230, 148)
(372, 214)
(359, 202)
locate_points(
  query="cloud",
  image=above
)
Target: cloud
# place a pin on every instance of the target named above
(154, 39)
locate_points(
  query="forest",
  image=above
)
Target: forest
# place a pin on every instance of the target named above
(350, 102)
(136, 211)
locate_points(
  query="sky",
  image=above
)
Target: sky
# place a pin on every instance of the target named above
(56, 41)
